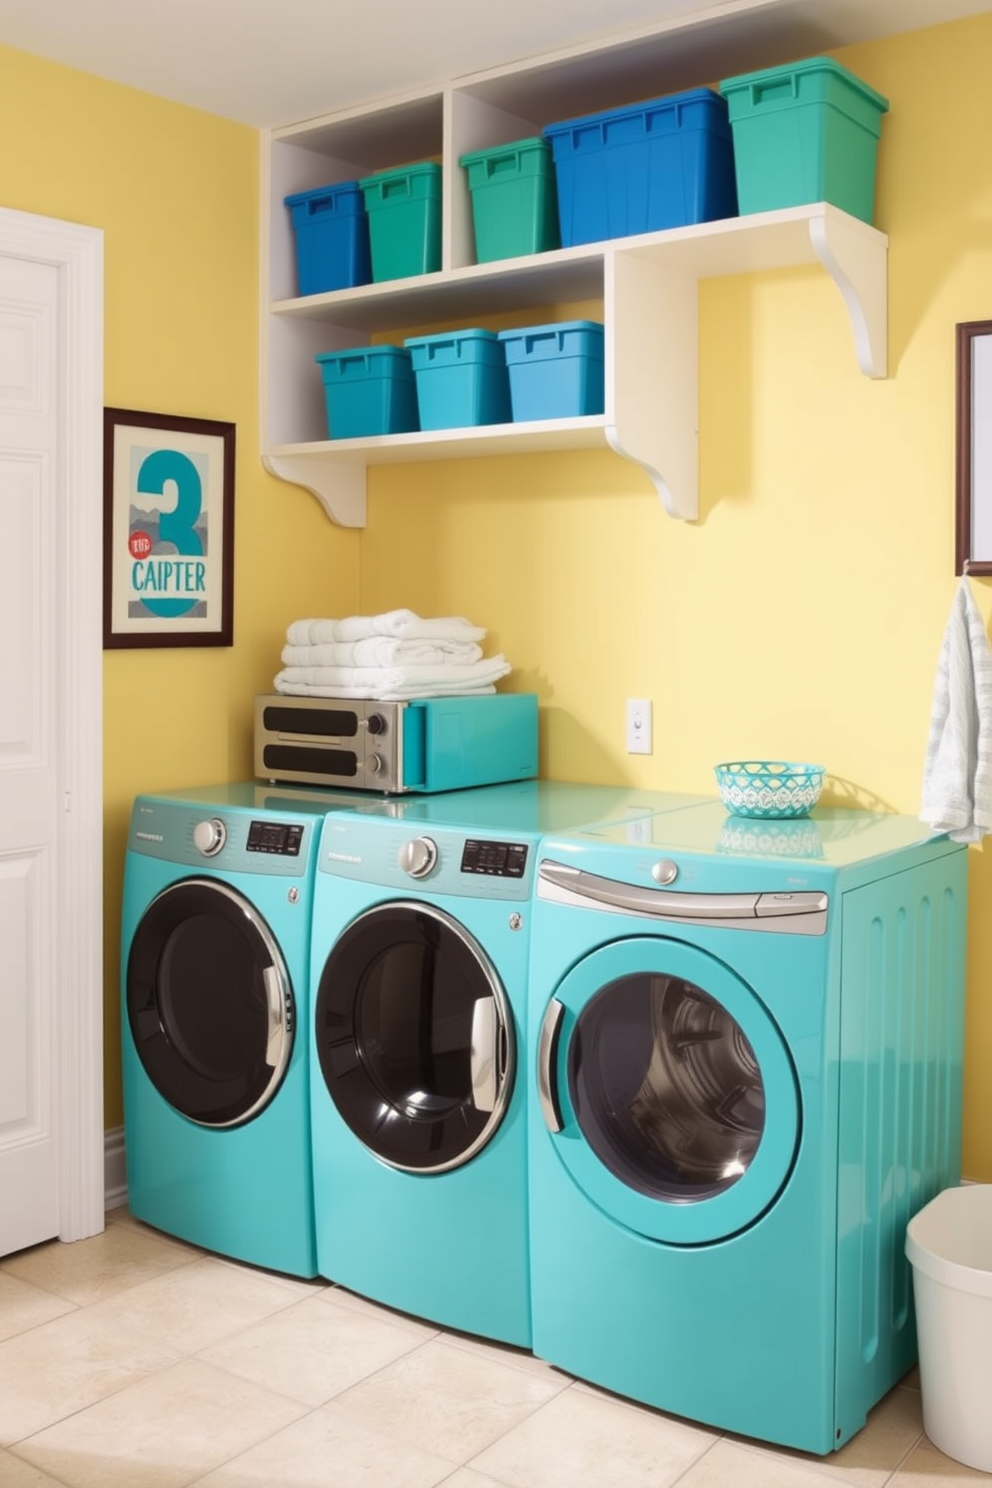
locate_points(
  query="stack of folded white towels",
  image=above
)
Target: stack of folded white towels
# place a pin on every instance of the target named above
(394, 655)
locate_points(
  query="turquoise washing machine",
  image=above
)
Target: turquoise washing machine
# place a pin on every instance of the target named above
(747, 1045)
(218, 890)
(419, 977)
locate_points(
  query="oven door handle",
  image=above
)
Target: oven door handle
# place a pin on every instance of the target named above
(482, 1055)
(275, 1041)
(547, 1054)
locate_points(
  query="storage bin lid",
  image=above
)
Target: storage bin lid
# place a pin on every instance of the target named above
(535, 142)
(359, 361)
(805, 68)
(594, 326)
(670, 101)
(322, 193)
(421, 168)
(475, 334)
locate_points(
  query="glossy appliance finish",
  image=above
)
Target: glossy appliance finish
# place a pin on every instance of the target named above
(423, 744)
(747, 1045)
(419, 976)
(218, 891)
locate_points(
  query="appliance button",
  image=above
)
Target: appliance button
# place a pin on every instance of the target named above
(376, 724)
(210, 836)
(665, 871)
(418, 856)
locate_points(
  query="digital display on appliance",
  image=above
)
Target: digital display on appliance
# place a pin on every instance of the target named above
(275, 837)
(497, 859)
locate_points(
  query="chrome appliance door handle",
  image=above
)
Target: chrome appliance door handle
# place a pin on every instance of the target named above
(276, 1037)
(547, 1050)
(674, 903)
(485, 1030)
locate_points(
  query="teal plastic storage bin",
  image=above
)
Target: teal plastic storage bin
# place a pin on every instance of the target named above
(805, 133)
(514, 199)
(461, 379)
(666, 163)
(555, 371)
(404, 209)
(368, 390)
(331, 230)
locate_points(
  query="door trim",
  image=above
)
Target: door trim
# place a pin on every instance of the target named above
(77, 1057)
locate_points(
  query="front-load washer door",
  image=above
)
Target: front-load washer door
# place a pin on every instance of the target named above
(209, 1002)
(414, 1037)
(668, 1090)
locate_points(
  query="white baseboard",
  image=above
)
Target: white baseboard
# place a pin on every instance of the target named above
(114, 1169)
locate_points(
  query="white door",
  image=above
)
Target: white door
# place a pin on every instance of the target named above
(51, 1137)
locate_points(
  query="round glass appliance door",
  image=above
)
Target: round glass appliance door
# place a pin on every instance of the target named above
(415, 1037)
(680, 1087)
(209, 1003)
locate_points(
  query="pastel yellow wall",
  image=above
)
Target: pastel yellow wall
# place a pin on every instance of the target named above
(802, 615)
(176, 194)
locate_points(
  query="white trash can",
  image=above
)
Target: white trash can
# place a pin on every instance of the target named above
(949, 1245)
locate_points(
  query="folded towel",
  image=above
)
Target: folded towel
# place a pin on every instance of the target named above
(400, 623)
(393, 682)
(399, 695)
(957, 774)
(382, 651)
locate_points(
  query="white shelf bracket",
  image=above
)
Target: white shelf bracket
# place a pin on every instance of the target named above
(652, 358)
(338, 486)
(855, 257)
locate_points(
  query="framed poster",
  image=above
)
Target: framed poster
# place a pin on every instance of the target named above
(168, 530)
(973, 526)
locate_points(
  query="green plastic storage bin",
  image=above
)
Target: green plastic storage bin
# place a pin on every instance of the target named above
(514, 199)
(368, 390)
(404, 211)
(804, 133)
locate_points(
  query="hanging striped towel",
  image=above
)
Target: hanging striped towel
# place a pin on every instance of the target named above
(957, 774)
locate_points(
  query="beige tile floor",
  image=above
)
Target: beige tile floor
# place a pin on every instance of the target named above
(131, 1360)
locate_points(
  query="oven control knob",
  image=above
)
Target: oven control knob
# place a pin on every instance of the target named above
(665, 871)
(375, 764)
(375, 723)
(210, 836)
(418, 856)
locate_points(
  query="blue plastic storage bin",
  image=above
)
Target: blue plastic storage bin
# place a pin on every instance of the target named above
(461, 379)
(331, 228)
(666, 163)
(368, 390)
(555, 371)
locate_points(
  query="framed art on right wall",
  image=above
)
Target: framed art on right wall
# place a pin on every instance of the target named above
(973, 510)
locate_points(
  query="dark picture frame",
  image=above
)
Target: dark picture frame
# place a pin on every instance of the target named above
(168, 530)
(973, 459)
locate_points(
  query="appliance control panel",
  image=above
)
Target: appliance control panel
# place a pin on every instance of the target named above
(282, 838)
(494, 859)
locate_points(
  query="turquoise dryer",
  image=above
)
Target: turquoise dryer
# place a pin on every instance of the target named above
(746, 1039)
(419, 978)
(218, 891)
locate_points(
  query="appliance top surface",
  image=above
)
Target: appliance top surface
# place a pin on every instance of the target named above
(830, 838)
(250, 795)
(524, 806)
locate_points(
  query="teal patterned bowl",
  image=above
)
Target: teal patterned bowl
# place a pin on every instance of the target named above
(769, 788)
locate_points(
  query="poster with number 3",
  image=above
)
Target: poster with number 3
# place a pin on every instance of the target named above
(168, 530)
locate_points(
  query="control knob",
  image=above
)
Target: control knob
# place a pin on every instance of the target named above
(418, 856)
(375, 764)
(375, 723)
(210, 836)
